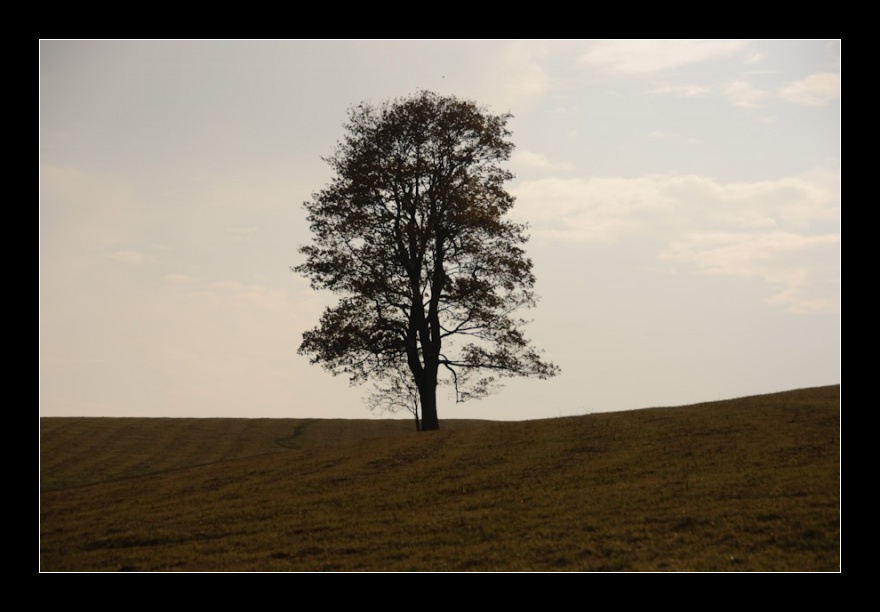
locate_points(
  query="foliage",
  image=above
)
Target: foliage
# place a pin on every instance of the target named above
(411, 233)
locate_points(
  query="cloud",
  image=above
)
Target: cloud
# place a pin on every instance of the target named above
(794, 202)
(523, 60)
(643, 56)
(527, 158)
(815, 90)
(784, 232)
(588, 210)
(743, 94)
(743, 253)
(574, 209)
(514, 75)
(535, 160)
(796, 299)
(802, 268)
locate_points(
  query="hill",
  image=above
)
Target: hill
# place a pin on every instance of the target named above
(738, 485)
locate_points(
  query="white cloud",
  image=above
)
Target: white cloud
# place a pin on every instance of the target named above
(795, 299)
(815, 90)
(744, 253)
(523, 59)
(743, 94)
(575, 208)
(642, 56)
(536, 160)
(793, 202)
(533, 160)
(801, 268)
(783, 232)
(591, 210)
(514, 75)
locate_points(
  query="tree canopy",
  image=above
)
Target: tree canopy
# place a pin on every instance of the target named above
(411, 234)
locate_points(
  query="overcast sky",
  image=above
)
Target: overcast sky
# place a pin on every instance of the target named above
(683, 198)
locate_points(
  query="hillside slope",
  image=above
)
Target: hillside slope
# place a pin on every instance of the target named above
(746, 484)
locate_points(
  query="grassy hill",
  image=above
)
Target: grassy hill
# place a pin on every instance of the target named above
(739, 485)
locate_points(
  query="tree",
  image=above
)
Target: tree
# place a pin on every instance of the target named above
(411, 233)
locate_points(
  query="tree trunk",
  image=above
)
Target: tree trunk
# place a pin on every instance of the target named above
(429, 408)
(428, 396)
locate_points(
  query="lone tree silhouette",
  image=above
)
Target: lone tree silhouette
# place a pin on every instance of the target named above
(411, 233)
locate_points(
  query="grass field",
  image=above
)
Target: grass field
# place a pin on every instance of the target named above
(750, 484)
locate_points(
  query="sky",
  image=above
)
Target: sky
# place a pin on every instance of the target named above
(683, 199)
